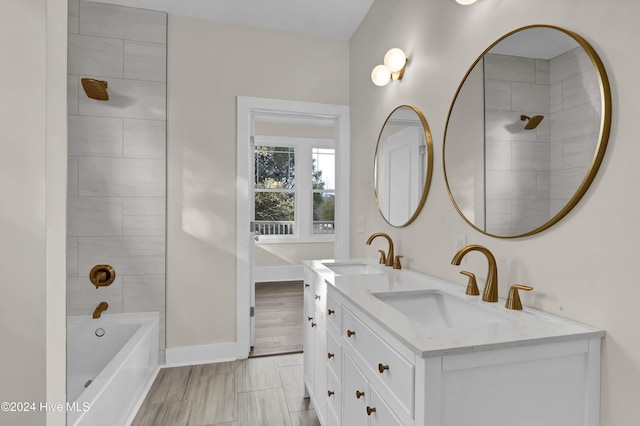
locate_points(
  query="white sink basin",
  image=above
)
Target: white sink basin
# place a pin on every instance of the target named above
(348, 268)
(438, 309)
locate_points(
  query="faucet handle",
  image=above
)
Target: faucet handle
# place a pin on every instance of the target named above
(472, 285)
(396, 262)
(513, 301)
(383, 257)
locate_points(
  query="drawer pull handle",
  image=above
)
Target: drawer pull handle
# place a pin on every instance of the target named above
(306, 285)
(331, 311)
(371, 410)
(313, 324)
(359, 394)
(350, 333)
(330, 393)
(317, 297)
(309, 318)
(382, 367)
(330, 355)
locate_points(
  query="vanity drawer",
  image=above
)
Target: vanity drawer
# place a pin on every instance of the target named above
(334, 394)
(334, 313)
(382, 362)
(334, 355)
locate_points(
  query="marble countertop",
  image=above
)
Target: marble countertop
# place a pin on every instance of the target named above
(511, 329)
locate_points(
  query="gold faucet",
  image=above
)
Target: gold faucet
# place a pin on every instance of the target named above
(103, 306)
(390, 255)
(490, 293)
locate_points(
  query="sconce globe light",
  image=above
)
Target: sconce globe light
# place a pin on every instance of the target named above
(395, 61)
(466, 2)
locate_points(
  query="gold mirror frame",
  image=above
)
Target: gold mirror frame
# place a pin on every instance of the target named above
(603, 136)
(429, 165)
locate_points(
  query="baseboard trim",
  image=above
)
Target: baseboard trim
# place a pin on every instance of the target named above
(201, 354)
(278, 273)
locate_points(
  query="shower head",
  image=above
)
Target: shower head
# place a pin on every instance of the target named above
(532, 122)
(95, 89)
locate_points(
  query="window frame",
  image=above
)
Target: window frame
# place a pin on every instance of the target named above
(303, 188)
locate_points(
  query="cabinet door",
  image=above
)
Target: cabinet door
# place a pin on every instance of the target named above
(320, 366)
(307, 345)
(382, 416)
(355, 395)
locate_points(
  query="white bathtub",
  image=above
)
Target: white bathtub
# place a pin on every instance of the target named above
(120, 365)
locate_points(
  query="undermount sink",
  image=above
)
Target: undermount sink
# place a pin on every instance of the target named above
(348, 268)
(438, 309)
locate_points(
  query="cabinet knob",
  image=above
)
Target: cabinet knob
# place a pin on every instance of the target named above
(313, 324)
(359, 394)
(350, 333)
(306, 285)
(309, 318)
(371, 410)
(330, 311)
(330, 355)
(382, 368)
(317, 297)
(329, 393)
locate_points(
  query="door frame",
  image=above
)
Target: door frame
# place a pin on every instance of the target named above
(247, 109)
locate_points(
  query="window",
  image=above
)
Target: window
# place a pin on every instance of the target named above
(294, 189)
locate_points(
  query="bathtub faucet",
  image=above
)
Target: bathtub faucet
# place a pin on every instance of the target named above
(103, 306)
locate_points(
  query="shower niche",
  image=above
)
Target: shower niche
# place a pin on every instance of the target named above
(526, 131)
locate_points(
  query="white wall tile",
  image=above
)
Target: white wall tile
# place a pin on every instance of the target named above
(72, 256)
(74, 16)
(128, 255)
(144, 216)
(128, 99)
(580, 89)
(530, 214)
(72, 177)
(145, 61)
(95, 136)
(555, 93)
(122, 22)
(94, 216)
(542, 71)
(73, 92)
(498, 217)
(144, 293)
(573, 122)
(506, 125)
(497, 95)
(530, 97)
(145, 138)
(511, 185)
(83, 297)
(569, 63)
(579, 152)
(123, 177)
(498, 155)
(509, 68)
(564, 183)
(531, 156)
(95, 56)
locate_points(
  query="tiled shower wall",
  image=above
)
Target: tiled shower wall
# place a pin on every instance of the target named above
(531, 174)
(117, 149)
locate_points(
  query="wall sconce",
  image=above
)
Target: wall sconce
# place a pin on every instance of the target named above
(465, 2)
(395, 61)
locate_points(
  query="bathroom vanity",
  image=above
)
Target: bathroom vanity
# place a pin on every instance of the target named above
(395, 347)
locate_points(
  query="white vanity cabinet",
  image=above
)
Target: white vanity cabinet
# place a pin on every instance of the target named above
(374, 367)
(315, 342)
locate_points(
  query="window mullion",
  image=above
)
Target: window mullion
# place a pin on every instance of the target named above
(304, 193)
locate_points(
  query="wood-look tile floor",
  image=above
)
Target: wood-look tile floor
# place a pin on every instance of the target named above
(264, 391)
(278, 318)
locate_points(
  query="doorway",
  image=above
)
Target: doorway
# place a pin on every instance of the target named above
(270, 117)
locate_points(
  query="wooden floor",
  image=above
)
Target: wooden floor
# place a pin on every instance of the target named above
(264, 391)
(278, 313)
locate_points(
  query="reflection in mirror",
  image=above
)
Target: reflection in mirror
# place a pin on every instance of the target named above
(527, 131)
(403, 165)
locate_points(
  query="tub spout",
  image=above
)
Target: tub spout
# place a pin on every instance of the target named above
(103, 306)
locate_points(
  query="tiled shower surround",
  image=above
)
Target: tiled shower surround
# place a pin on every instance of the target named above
(531, 174)
(117, 149)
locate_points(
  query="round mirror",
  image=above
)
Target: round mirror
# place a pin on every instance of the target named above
(403, 165)
(526, 131)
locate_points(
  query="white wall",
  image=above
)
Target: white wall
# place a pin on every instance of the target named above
(584, 266)
(209, 64)
(33, 171)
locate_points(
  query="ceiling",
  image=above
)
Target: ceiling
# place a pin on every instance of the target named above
(326, 18)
